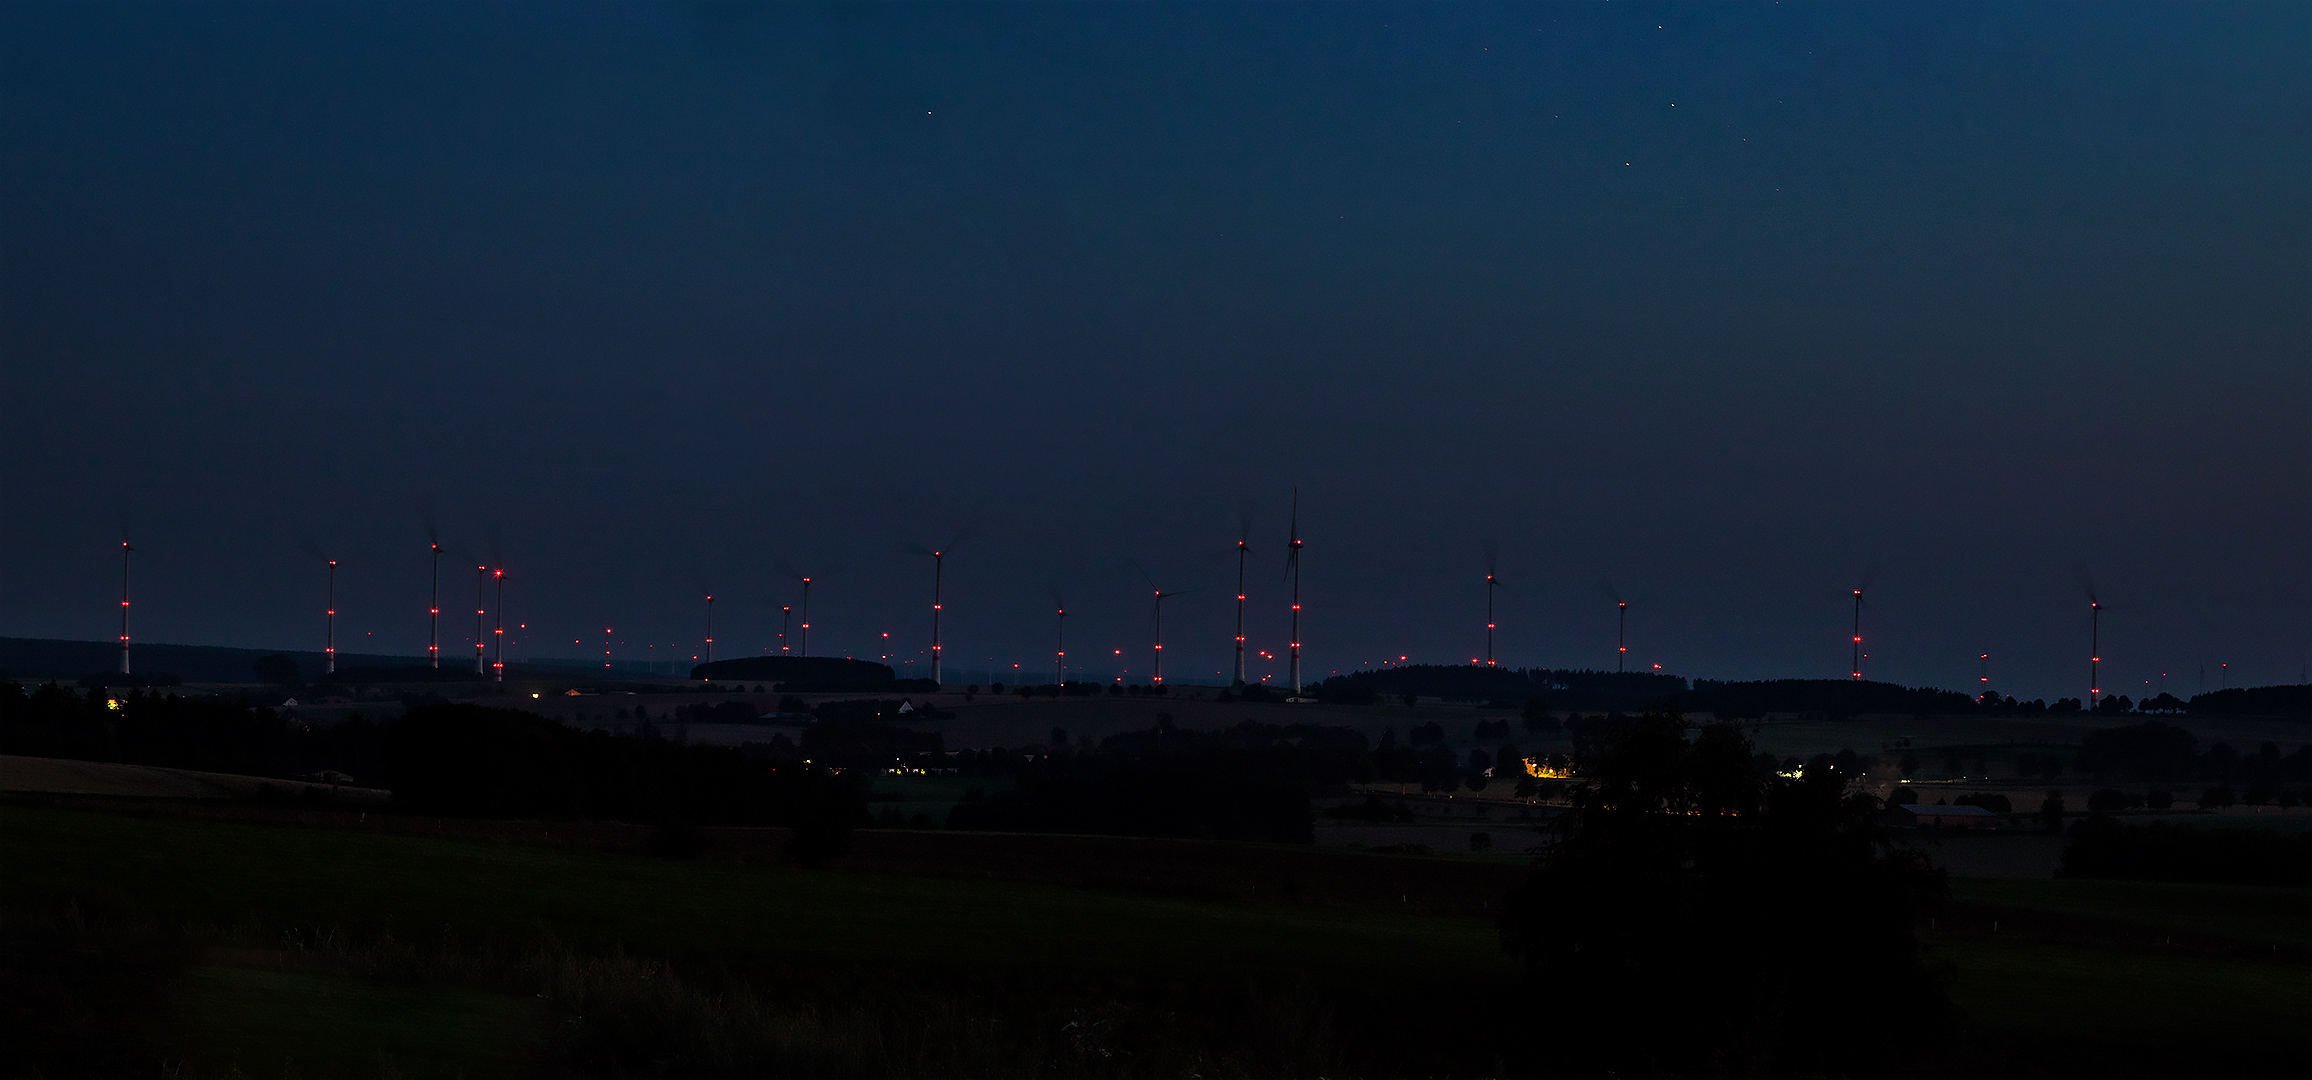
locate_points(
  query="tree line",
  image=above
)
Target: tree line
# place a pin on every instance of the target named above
(449, 759)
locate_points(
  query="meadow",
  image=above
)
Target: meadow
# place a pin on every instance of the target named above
(208, 946)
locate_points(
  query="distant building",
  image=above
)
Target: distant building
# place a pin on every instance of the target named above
(1911, 815)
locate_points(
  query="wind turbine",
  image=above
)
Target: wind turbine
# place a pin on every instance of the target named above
(786, 616)
(433, 637)
(938, 582)
(481, 603)
(2094, 651)
(1622, 639)
(709, 657)
(124, 551)
(1156, 675)
(329, 646)
(500, 666)
(805, 640)
(1060, 656)
(1293, 566)
(1492, 583)
(1857, 634)
(1243, 548)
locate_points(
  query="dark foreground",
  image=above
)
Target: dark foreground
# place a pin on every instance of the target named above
(138, 942)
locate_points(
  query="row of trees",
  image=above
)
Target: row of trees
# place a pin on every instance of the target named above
(463, 760)
(2154, 750)
(1248, 782)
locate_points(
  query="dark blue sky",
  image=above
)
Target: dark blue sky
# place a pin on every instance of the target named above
(1733, 307)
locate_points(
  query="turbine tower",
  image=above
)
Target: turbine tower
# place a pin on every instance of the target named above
(329, 645)
(805, 640)
(1060, 655)
(1292, 563)
(1156, 677)
(1622, 639)
(433, 637)
(786, 618)
(2094, 652)
(481, 598)
(938, 582)
(124, 550)
(1857, 673)
(1242, 549)
(500, 666)
(1491, 583)
(709, 657)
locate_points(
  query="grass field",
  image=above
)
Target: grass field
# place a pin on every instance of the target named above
(2250, 917)
(2046, 1008)
(793, 936)
(280, 950)
(265, 1022)
(2132, 978)
(226, 874)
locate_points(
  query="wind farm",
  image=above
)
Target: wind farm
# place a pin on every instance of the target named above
(1127, 540)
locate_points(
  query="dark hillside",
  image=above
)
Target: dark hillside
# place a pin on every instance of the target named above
(39, 659)
(2256, 701)
(1833, 697)
(1564, 688)
(805, 674)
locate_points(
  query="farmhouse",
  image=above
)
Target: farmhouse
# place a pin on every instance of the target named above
(1909, 815)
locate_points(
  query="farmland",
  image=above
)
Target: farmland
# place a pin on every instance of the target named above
(428, 954)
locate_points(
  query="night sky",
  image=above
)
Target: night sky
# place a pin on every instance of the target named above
(1726, 310)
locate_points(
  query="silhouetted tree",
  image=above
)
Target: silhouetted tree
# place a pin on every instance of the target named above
(1734, 903)
(1537, 717)
(2051, 811)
